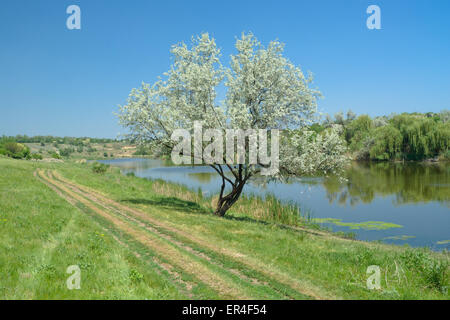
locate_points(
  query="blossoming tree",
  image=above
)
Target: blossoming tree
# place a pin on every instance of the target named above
(264, 91)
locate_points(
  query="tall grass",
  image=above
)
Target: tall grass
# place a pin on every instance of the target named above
(434, 272)
(268, 209)
(180, 191)
(272, 209)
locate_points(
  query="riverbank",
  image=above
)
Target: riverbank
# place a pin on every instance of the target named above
(136, 238)
(403, 203)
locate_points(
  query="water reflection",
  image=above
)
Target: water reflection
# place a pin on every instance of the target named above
(409, 183)
(203, 177)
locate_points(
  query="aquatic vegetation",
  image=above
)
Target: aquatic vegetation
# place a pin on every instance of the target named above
(400, 237)
(346, 235)
(367, 225)
(272, 209)
(443, 242)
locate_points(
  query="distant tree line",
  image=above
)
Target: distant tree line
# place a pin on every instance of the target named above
(14, 146)
(80, 141)
(406, 136)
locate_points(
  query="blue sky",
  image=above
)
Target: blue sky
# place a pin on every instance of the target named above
(68, 82)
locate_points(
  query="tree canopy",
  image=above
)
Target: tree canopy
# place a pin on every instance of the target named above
(407, 136)
(264, 91)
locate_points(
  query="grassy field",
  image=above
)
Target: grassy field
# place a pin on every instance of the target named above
(139, 239)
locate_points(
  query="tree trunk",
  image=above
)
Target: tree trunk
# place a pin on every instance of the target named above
(240, 178)
(225, 202)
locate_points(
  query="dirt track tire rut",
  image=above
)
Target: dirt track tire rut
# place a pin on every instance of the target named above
(163, 230)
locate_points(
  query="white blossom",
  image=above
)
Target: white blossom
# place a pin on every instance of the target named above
(264, 91)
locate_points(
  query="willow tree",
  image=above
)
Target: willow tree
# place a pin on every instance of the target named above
(264, 91)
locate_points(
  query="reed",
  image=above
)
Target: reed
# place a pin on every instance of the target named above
(267, 208)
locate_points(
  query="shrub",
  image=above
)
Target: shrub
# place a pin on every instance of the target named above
(55, 155)
(98, 167)
(90, 149)
(66, 152)
(15, 150)
(142, 151)
(36, 156)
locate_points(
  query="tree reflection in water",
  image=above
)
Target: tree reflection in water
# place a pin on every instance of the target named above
(409, 182)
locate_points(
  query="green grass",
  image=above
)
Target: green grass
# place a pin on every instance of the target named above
(43, 234)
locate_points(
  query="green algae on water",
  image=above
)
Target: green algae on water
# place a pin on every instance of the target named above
(366, 225)
(402, 237)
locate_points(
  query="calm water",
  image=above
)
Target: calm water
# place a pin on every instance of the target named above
(414, 196)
